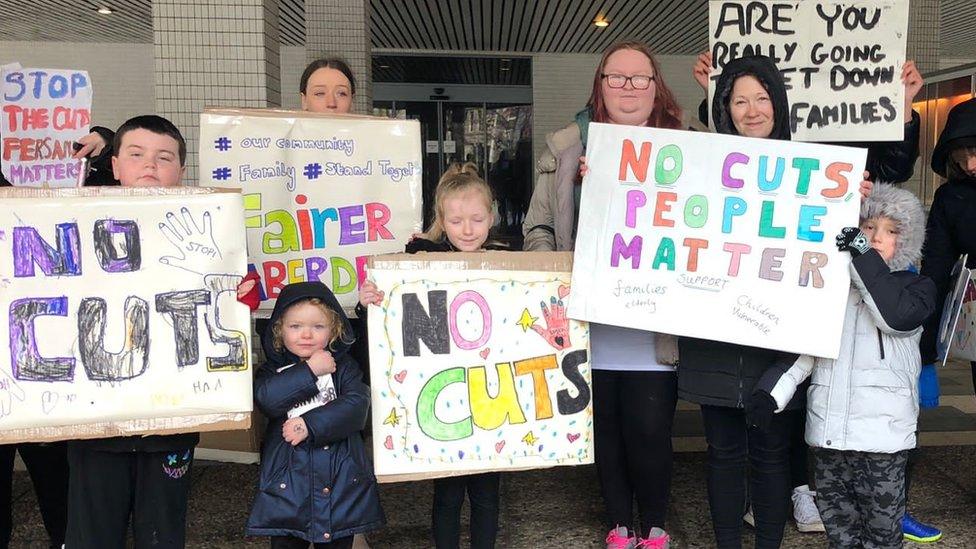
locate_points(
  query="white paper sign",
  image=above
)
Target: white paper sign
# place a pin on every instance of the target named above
(717, 237)
(321, 193)
(476, 370)
(42, 112)
(841, 60)
(119, 307)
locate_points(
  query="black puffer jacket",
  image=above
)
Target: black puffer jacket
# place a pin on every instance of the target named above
(324, 487)
(951, 228)
(712, 372)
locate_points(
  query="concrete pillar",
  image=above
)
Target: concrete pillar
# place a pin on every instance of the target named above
(212, 53)
(341, 28)
(923, 34)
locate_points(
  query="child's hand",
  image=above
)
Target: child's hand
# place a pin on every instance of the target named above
(247, 290)
(321, 363)
(294, 431)
(91, 145)
(369, 294)
(852, 240)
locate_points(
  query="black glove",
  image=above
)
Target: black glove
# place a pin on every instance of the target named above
(851, 239)
(760, 409)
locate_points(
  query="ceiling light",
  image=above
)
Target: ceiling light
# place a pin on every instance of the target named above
(600, 22)
(105, 10)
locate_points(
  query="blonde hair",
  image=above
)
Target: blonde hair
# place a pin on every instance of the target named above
(331, 316)
(457, 179)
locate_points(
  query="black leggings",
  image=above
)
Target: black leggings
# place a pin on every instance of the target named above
(48, 468)
(632, 416)
(799, 451)
(482, 492)
(735, 450)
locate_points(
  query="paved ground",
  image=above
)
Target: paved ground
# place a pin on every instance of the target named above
(561, 507)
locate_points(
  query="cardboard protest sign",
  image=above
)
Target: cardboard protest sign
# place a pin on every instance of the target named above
(120, 313)
(715, 236)
(474, 365)
(841, 60)
(957, 327)
(321, 192)
(42, 112)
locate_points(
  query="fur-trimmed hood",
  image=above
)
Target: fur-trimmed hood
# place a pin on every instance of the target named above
(903, 207)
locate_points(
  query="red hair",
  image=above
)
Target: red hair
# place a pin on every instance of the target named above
(664, 114)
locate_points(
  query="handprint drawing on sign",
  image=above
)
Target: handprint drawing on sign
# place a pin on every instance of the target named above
(194, 243)
(9, 390)
(556, 332)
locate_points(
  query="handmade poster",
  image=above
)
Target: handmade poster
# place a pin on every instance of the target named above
(321, 192)
(714, 236)
(958, 323)
(120, 313)
(841, 60)
(42, 112)
(475, 366)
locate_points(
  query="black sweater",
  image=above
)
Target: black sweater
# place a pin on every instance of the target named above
(949, 233)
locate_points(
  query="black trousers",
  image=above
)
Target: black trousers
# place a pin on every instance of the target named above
(799, 451)
(48, 468)
(632, 417)
(106, 488)
(482, 490)
(734, 449)
(286, 542)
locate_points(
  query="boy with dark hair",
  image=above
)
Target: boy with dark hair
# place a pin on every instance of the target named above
(113, 478)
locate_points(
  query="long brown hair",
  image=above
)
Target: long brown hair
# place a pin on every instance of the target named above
(665, 114)
(458, 178)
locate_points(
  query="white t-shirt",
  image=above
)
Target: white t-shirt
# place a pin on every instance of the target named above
(624, 349)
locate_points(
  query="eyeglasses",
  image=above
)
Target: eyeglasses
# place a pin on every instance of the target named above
(638, 81)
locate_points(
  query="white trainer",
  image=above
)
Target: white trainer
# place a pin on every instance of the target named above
(805, 510)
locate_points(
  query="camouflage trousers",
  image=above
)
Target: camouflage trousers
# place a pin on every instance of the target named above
(861, 497)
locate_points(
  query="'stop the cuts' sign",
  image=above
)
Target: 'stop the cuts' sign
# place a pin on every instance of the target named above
(42, 112)
(842, 61)
(717, 237)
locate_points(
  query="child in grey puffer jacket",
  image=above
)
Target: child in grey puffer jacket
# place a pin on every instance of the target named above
(862, 408)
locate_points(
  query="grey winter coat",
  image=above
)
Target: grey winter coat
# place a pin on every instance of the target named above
(867, 399)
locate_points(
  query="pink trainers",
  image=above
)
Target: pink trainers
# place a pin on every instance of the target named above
(620, 538)
(656, 539)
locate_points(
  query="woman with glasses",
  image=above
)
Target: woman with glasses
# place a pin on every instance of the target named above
(634, 393)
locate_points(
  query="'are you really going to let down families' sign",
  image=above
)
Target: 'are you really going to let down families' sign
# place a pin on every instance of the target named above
(120, 313)
(475, 365)
(321, 192)
(841, 60)
(714, 236)
(42, 112)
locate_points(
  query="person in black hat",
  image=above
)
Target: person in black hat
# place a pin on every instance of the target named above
(950, 232)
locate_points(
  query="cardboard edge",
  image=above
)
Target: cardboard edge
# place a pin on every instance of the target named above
(113, 192)
(557, 262)
(411, 477)
(228, 421)
(287, 113)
